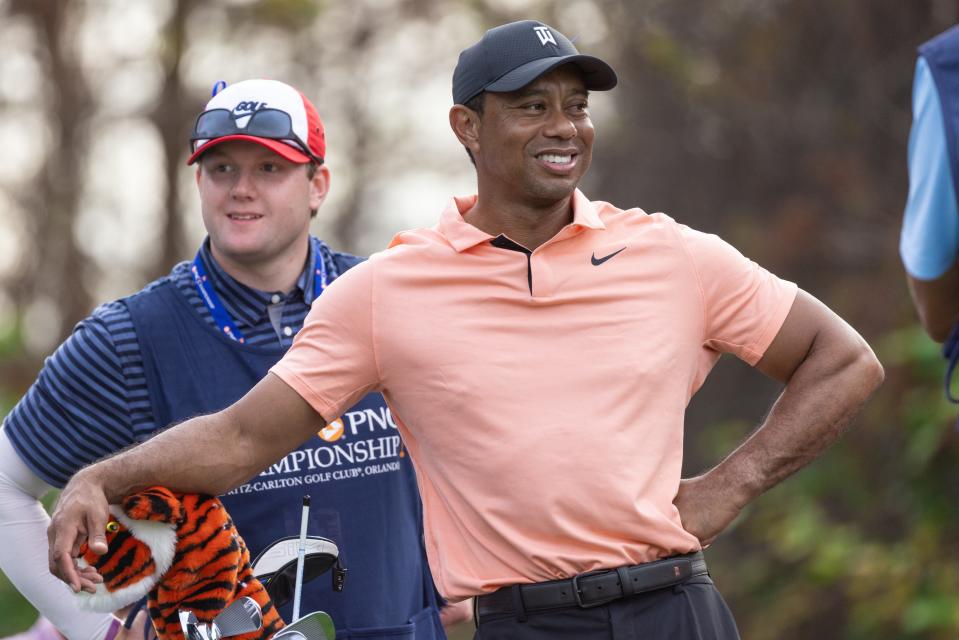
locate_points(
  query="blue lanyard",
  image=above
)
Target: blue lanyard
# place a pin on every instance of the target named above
(212, 301)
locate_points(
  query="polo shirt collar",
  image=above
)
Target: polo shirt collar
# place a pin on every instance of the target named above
(247, 306)
(462, 235)
(584, 212)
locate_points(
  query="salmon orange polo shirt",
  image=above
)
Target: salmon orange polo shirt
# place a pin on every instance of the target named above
(540, 394)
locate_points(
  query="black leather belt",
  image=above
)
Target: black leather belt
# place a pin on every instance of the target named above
(594, 588)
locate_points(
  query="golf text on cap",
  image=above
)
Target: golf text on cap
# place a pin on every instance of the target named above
(545, 35)
(247, 108)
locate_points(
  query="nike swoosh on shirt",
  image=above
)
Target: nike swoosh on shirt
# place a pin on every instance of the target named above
(598, 261)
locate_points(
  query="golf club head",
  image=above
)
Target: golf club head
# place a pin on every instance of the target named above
(275, 566)
(313, 626)
(242, 616)
(191, 627)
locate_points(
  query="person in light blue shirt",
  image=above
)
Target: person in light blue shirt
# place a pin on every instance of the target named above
(929, 243)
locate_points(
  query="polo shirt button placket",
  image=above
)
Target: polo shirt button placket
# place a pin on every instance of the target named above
(502, 242)
(542, 273)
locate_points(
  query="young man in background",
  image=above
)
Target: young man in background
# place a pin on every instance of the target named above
(197, 340)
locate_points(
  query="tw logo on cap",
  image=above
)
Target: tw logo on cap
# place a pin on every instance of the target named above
(545, 35)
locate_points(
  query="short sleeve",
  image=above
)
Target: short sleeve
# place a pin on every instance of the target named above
(744, 304)
(77, 411)
(929, 242)
(332, 362)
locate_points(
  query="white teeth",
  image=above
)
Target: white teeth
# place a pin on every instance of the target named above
(556, 159)
(247, 217)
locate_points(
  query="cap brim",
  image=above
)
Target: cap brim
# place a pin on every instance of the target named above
(276, 146)
(597, 75)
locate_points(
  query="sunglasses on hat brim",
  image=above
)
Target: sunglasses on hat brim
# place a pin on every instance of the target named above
(273, 124)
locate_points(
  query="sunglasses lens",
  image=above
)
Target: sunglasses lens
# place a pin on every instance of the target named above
(213, 124)
(270, 123)
(265, 123)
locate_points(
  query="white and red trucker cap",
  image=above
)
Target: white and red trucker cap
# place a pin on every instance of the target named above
(245, 98)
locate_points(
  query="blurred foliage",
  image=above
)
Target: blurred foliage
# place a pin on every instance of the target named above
(781, 125)
(289, 14)
(16, 612)
(11, 345)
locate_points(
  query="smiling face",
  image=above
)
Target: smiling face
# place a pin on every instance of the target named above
(256, 205)
(534, 145)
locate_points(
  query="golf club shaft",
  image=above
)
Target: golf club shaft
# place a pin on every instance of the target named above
(300, 557)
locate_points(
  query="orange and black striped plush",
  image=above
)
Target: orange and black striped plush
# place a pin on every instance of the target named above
(182, 550)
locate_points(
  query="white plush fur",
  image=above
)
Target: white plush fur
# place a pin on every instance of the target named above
(160, 538)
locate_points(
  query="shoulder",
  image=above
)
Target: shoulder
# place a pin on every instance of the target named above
(352, 283)
(638, 225)
(664, 238)
(415, 240)
(614, 216)
(944, 44)
(410, 248)
(390, 270)
(107, 314)
(104, 324)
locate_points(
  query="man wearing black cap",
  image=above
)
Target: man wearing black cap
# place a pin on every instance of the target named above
(544, 404)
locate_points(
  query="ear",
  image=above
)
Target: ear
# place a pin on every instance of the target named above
(319, 186)
(466, 125)
(158, 504)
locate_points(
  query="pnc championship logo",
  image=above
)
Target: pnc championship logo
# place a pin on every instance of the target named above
(332, 432)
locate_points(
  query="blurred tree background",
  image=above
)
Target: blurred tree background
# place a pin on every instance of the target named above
(780, 124)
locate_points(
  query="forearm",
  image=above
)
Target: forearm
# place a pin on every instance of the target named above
(215, 453)
(201, 455)
(819, 402)
(23, 550)
(210, 454)
(937, 302)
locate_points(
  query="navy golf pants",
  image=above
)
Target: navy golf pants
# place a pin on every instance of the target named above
(693, 610)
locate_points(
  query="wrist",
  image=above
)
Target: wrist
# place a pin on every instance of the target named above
(96, 477)
(736, 481)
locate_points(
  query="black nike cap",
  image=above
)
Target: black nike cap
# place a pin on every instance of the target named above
(510, 56)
